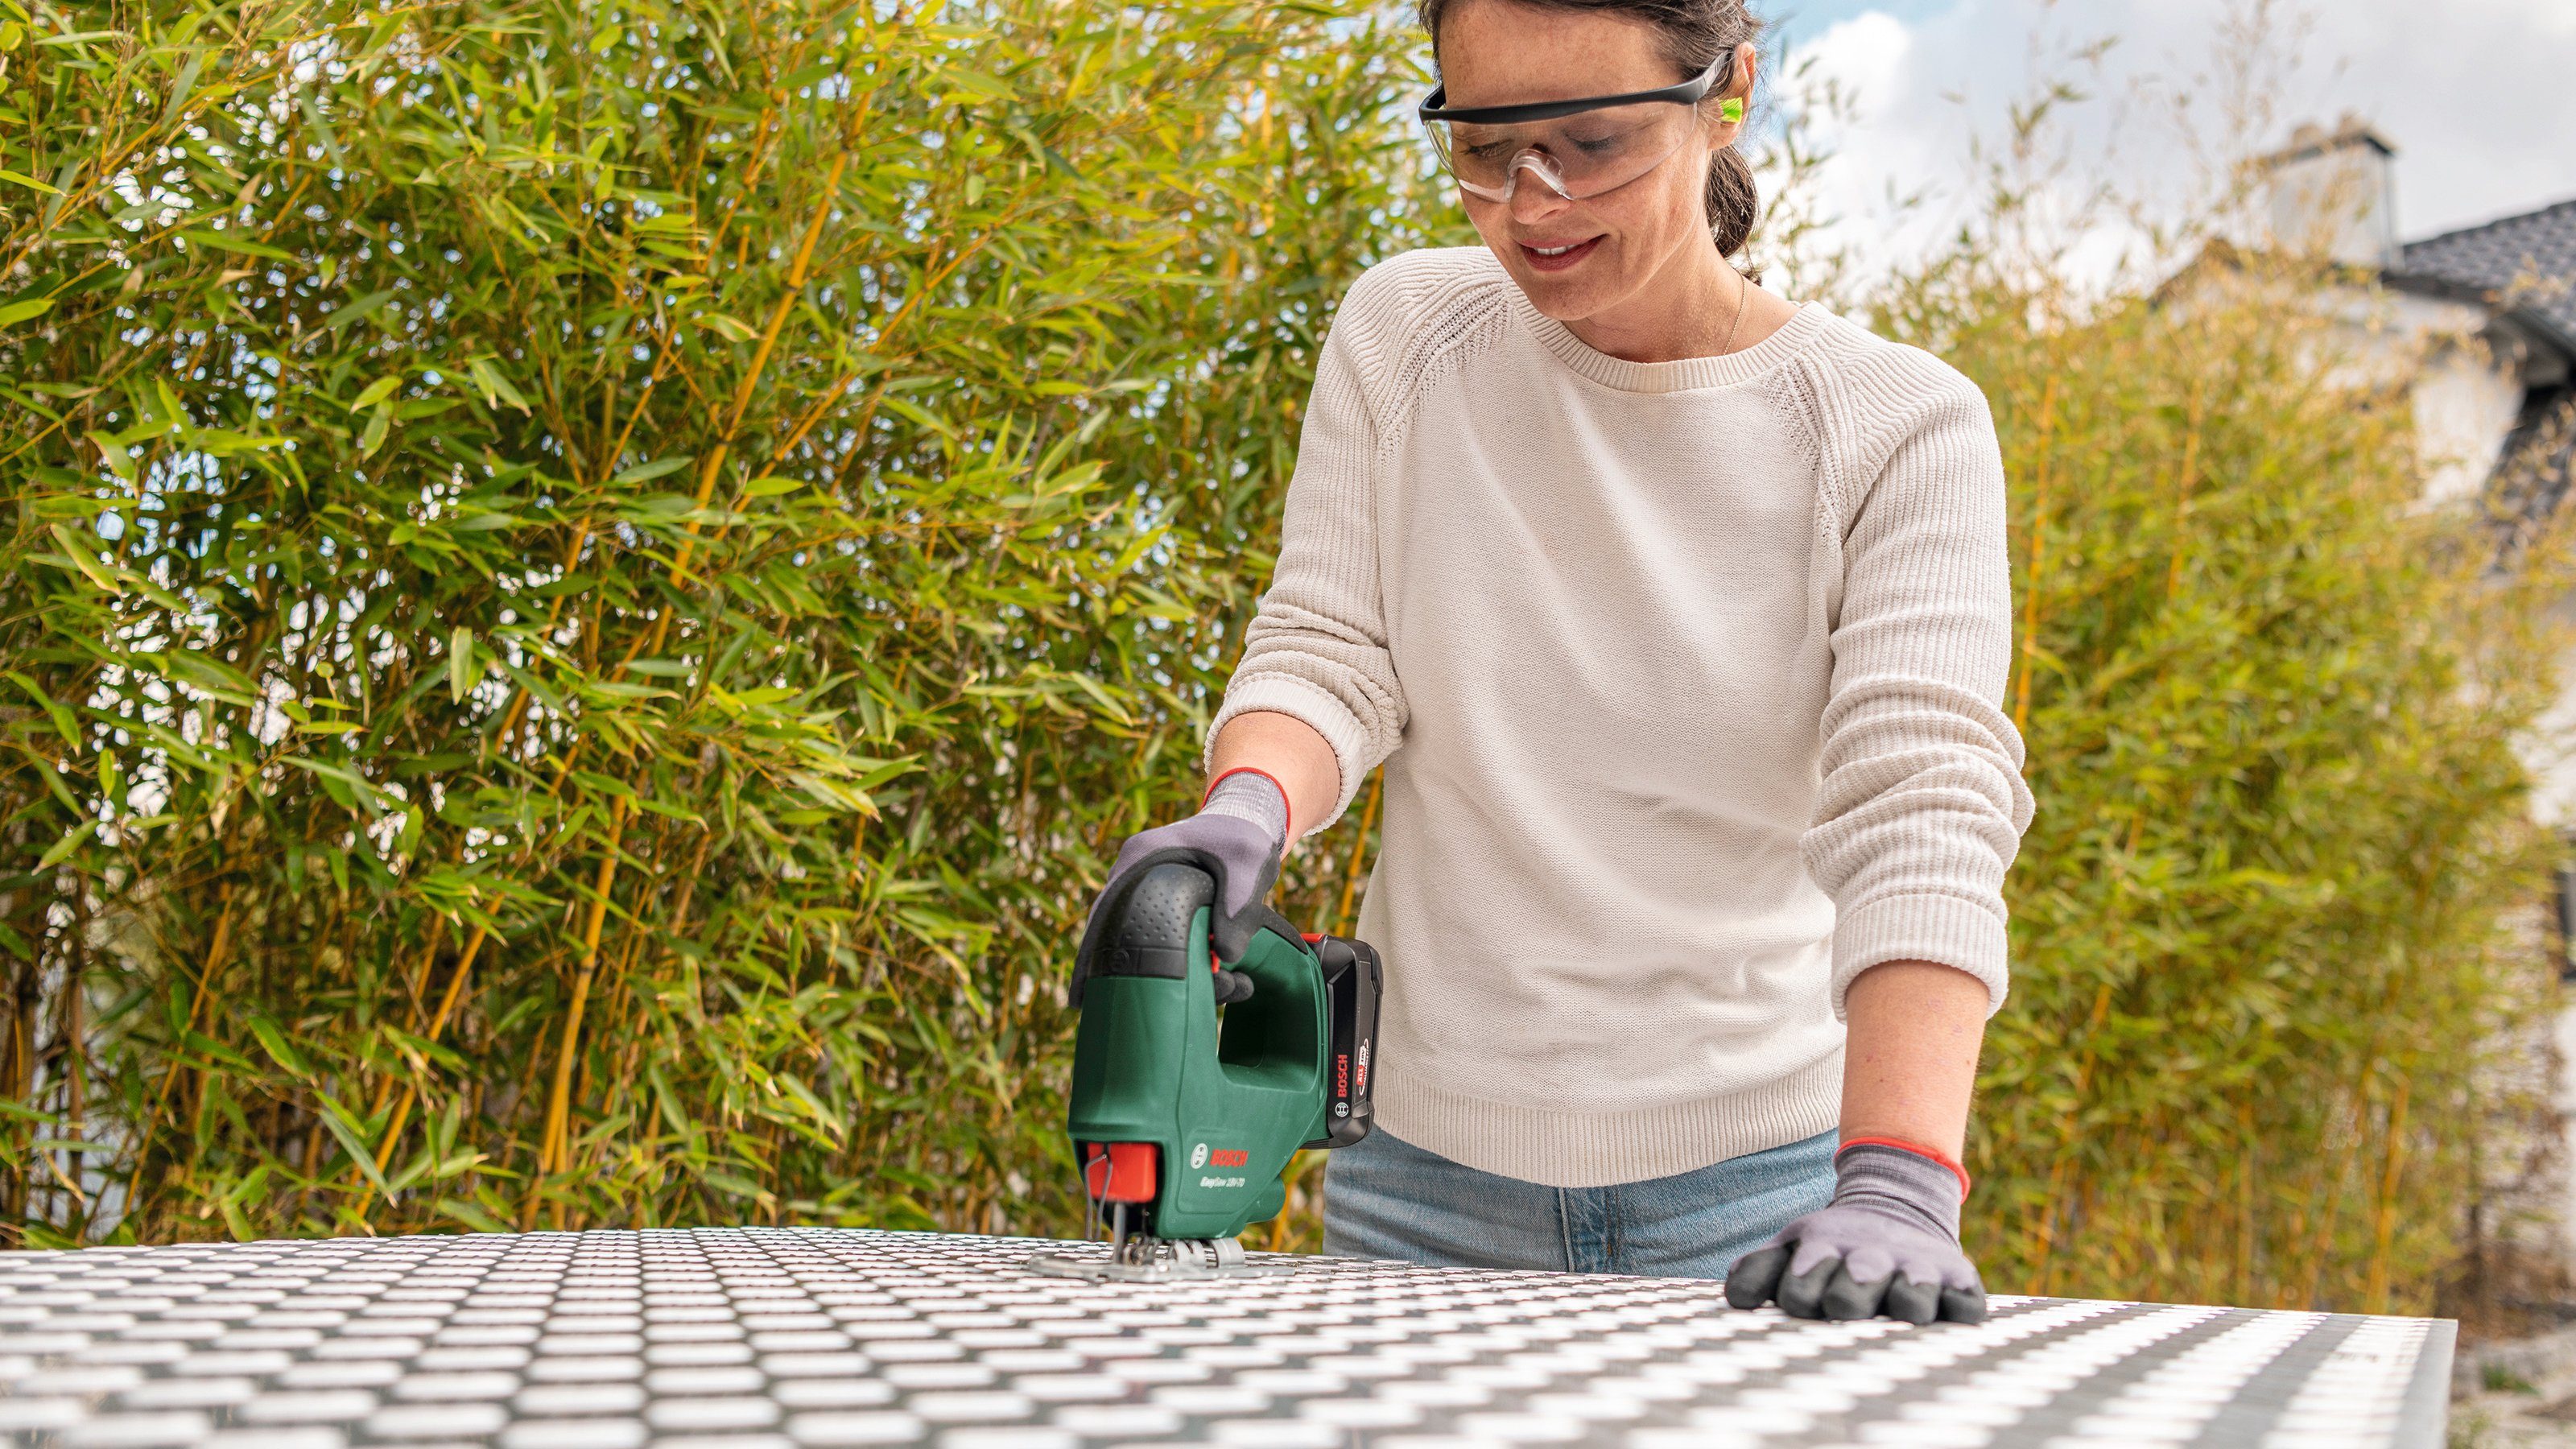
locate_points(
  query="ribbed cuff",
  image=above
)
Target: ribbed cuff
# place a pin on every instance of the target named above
(1318, 710)
(1254, 795)
(1944, 930)
(1901, 1179)
(1917, 1149)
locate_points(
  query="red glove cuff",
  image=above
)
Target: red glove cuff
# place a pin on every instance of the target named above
(1287, 806)
(1918, 1149)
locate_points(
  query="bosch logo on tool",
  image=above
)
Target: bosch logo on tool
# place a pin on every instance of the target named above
(1198, 1156)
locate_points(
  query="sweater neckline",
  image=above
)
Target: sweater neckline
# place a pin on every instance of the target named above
(1681, 374)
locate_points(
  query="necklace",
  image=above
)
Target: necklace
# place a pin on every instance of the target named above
(1742, 287)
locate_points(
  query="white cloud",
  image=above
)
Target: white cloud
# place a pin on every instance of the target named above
(2476, 94)
(1873, 60)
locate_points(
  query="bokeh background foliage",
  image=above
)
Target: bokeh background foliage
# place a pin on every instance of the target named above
(590, 589)
(587, 586)
(2276, 965)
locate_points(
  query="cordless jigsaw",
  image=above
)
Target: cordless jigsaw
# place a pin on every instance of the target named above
(1195, 1081)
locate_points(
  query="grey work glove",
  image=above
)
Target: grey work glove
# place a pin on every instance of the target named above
(1238, 836)
(1888, 1244)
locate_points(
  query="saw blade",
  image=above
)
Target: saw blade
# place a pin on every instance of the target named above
(1161, 1260)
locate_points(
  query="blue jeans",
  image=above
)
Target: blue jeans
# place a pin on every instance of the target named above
(1386, 1198)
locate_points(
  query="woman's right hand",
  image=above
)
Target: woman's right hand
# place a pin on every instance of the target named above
(1237, 836)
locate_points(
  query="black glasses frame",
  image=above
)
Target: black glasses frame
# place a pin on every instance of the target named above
(1689, 92)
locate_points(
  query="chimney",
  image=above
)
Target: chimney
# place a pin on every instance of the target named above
(2333, 194)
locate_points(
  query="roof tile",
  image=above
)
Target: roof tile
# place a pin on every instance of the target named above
(2530, 259)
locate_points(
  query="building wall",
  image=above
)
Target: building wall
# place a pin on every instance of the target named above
(2465, 406)
(2464, 381)
(2337, 203)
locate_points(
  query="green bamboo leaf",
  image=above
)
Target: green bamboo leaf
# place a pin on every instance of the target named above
(495, 388)
(376, 392)
(111, 450)
(207, 673)
(61, 850)
(336, 1120)
(321, 128)
(735, 1185)
(226, 241)
(361, 790)
(977, 83)
(658, 468)
(348, 314)
(272, 1039)
(921, 415)
(470, 1215)
(461, 672)
(182, 88)
(600, 784)
(82, 554)
(65, 725)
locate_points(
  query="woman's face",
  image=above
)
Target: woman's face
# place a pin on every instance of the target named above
(1577, 259)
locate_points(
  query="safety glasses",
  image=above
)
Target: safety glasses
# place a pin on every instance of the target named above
(1576, 149)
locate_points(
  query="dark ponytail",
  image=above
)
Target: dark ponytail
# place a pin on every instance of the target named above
(1696, 34)
(1733, 200)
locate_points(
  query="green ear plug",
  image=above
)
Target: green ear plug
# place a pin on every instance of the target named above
(1731, 110)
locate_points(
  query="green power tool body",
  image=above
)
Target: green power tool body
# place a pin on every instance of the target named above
(1195, 1082)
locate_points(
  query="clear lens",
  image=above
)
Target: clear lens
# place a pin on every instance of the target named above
(1576, 156)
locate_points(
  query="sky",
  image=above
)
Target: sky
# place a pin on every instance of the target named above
(2479, 96)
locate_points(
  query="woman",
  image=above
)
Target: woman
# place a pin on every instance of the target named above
(1679, 616)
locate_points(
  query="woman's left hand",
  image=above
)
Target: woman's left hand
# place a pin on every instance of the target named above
(1888, 1245)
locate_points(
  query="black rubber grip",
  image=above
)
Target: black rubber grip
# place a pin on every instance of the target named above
(1145, 930)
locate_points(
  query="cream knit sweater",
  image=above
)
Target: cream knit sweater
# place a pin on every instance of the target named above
(1686, 679)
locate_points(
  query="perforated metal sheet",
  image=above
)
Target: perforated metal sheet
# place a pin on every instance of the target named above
(752, 1337)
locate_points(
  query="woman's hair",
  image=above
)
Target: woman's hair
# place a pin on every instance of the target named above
(1696, 34)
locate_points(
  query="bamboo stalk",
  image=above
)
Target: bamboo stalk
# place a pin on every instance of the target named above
(714, 465)
(161, 1100)
(2182, 498)
(2246, 1165)
(2038, 557)
(418, 985)
(411, 1090)
(552, 1151)
(2051, 1210)
(75, 1067)
(2331, 1203)
(614, 1013)
(2374, 1295)
(554, 615)
(20, 1050)
(525, 1092)
(1342, 919)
